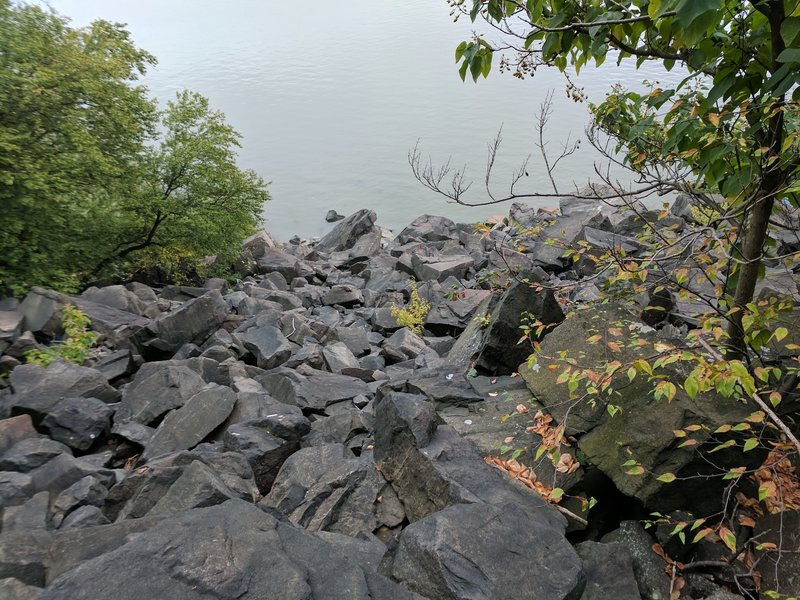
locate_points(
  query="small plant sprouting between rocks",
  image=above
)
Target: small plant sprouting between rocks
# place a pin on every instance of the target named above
(413, 315)
(77, 344)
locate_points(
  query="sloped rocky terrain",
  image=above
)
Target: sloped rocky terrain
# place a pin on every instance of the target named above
(282, 437)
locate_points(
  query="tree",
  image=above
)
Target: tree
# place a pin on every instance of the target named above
(727, 135)
(86, 182)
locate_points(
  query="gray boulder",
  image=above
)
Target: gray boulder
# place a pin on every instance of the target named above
(268, 345)
(192, 322)
(609, 572)
(184, 428)
(255, 556)
(496, 552)
(428, 228)
(157, 389)
(346, 233)
(78, 422)
(84, 492)
(31, 453)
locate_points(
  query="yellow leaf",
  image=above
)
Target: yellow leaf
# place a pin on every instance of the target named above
(714, 118)
(728, 538)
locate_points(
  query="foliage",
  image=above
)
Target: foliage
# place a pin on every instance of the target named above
(96, 181)
(77, 345)
(413, 315)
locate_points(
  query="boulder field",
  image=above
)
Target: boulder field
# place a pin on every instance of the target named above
(282, 437)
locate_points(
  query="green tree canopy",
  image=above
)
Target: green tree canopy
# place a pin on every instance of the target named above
(93, 178)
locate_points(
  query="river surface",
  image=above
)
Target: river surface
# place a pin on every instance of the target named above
(329, 97)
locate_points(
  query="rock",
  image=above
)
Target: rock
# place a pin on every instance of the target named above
(62, 471)
(10, 327)
(23, 556)
(197, 487)
(653, 582)
(431, 467)
(402, 345)
(41, 310)
(84, 516)
(277, 260)
(440, 268)
(286, 300)
(320, 390)
(338, 357)
(332, 216)
(781, 570)
(268, 345)
(343, 295)
(15, 488)
(609, 572)
(15, 429)
(38, 390)
(192, 322)
(116, 296)
(84, 492)
(447, 389)
(116, 364)
(428, 228)
(644, 428)
(345, 427)
(326, 488)
(30, 515)
(500, 352)
(485, 551)
(14, 589)
(354, 337)
(264, 451)
(78, 422)
(345, 235)
(255, 556)
(184, 428)
(31, 453)
(157, 389)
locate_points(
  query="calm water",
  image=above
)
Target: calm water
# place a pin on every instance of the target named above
(330, 96)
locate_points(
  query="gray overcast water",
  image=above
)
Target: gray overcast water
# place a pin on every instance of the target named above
(329, 97)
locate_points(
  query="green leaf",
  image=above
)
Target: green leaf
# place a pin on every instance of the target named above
(750, 444)
(556, 494)
(666, 477)
(637, 470)
(789, 56)
(780, 333)
(764, 492)
(691, 386)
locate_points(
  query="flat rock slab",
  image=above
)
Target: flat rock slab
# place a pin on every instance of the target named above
(234, 551)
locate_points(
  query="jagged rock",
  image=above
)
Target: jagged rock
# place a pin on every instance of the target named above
(338, 357)
(431, 467)
(264, 451)
(84, 492)
(332, 216)
(10, 327)
(429, 228)
(192, 322)
(24, 555)
(450, 389)
(354, 337)
(343, 295)
(157, 389)
(609, 572)
(114, 324)
(198, 486)
(440, 268)
(451, 317)
(14, 589)
(644, 428)
(326, 488)
(84, 516)
(286, 300)
(341, 427)
(345, 235)
(187, 426)
(15, 488)
(116, 364)
(653, 582)
(38, 390)
(30, 515)
(15, 429)
(268, 345)
(499, 352)
(402, 345)
(72, 547)
(277, 260)
(31, 453)
(257, 555)
(41, 309)
(78, 422)
(485, 551)
(319, 390)
(62, 471)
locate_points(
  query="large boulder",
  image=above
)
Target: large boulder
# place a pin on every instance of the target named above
(496, 552)
(644, 429)
(38, 390)
(431, 467)
(346, 233)
(231, 551)
(157, 389)
(268, 345)
(428, 228)
(192, 322)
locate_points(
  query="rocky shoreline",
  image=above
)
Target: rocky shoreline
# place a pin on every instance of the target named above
(284, 438)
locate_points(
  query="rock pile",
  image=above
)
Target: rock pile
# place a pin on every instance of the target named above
(284, 438)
